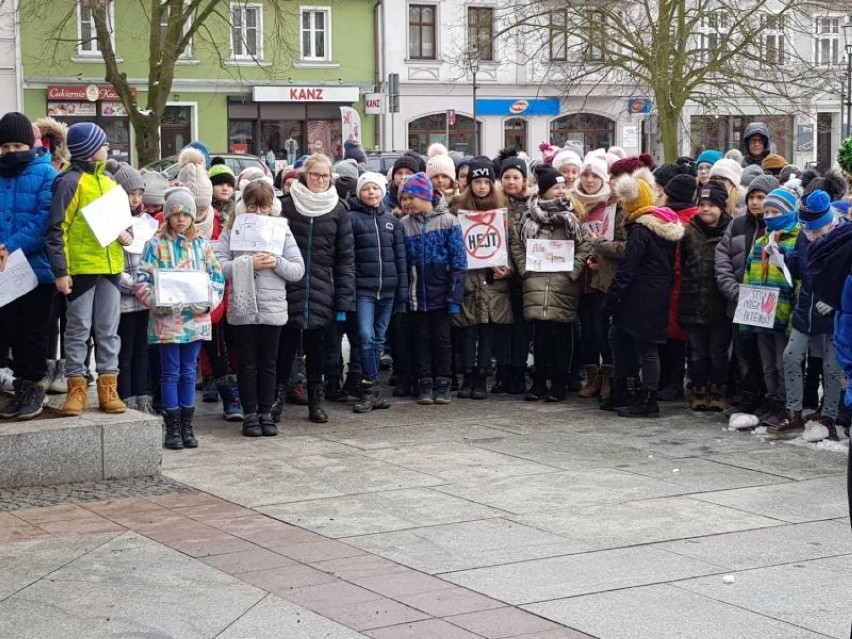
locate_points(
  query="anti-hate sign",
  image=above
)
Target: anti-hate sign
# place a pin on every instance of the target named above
(756, 306)
(484, 235)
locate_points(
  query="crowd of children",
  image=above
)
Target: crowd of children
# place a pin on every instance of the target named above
(641, 294)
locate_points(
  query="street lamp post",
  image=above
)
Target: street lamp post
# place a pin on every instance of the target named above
(473, 60)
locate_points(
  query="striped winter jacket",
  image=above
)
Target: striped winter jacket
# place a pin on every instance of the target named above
(759, 272)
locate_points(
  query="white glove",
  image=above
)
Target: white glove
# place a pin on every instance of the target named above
(823, 308)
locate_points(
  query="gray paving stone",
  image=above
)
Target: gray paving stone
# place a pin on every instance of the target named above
(371, 513)
(642, 522)
(699, 475)
(132, 449)
(579, 454)
(788, 461)
(769, 546)
(809, 500)
(408, 434)
(663, 612)
(465, 545)
(558, 577)
(809, 594)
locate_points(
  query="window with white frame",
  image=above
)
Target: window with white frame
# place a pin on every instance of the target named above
(164, 27)
(596, 32)
(316, 33)
(558, 36)
(827, 40)
(87, 37)
(772, 39)
(480, 31)
(713, 25)
(422, 19)
(247, 31)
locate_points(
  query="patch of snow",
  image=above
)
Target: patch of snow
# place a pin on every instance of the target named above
(145, 112)
(760, 430)
(675, 470)
(728, 579)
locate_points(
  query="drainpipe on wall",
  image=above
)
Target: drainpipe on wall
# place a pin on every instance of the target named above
(379, 53)
(19, 64)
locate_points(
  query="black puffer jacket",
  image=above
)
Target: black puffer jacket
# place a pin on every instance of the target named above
(381, 271)
(329, 283)
(701, 302)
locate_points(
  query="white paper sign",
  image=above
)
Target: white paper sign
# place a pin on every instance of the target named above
(17, 279)
(484, 235)
(176, 286)
(143, 230)
(550, 256)
(109, 215)
(258, 233)
(756, 306)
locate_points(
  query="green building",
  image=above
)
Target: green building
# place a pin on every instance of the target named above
(254, 73)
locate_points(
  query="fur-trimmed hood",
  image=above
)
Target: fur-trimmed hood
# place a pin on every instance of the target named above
(54, 137)
(671, 231)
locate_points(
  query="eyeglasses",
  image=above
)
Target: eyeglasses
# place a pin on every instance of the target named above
(704, 169)
(251, 208)
(319, 176)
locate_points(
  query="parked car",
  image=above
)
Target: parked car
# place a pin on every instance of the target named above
(382, 161)
(169, 166)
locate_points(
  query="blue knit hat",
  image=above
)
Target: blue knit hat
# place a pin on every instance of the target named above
(816, 211)
(84, 139)
(417, 185)
(300, 162)
(782, 200)
(711, 156)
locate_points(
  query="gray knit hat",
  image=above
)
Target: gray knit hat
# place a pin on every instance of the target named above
(749, 173)
(179, 199)
(763, 183)
(155, 188)
(347, 168)
(129, 178)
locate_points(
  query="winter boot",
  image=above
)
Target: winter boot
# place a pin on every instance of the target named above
(278, 405)
(537, 391)
(333, 392)
(443, 387)
(108, 400)
(718, 401)
(32, 399)
(790, 427)
(466, 388)
(58, 383)
(171, 418)
(454, 382)
(186, 434)
(352, 386)
(698, 400)
(517, 380)
(232, 411)
(371, 398)
(620, 397)
(501, 380)
(671, 393)
(574, 383)
(557, 391)
(402, 388)
(209, 391)
(424, 392)
(316, 397)
(480, 378)
(296, 394)
(644, 405)
(251, 425)
(773, 415)
(77, 398)
(13, 408)
(606, 381)
(267, 425)
(143, 405)
(594, 379)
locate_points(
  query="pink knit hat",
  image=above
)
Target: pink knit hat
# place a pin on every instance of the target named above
(441, 165)
(597, 165)
(728, 169)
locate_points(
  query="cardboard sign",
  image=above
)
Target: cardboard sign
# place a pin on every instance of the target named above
(109, 215)
(17, 278)
(484, 235)
(177, 286)
(756, 306)
(258, 233)
(550, 256)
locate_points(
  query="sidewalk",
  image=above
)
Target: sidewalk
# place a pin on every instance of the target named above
(488, 519)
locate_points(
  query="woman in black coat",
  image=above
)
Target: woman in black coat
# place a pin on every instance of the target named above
(322, 228)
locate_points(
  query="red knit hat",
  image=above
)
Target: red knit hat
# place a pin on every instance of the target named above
(631, 164)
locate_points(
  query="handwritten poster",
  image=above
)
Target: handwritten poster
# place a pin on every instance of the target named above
(756, 306)
(259, 233)
(176, 286)
(484, 235)
(109, 215)
(17, 279)
(143, 230)
(550, 256)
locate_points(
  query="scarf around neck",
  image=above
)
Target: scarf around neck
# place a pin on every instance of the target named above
(587, 201)
(14, 162)
(205, 225)
(543, 216)
(312, 204)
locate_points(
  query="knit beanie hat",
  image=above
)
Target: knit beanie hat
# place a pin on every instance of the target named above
(664, 173)
(441, 164)
(595, 164)
(16, 127)
(513, 163)
(773, 162)
(716, 193)
(636, 193)
(300, 161)
(222, 174)
(179, 199)
(631, 165)
(250, 174)
(783, 200)
(728, 169)
(156, 185)
(613, 155)
(127, 177)
(816, 211)
(84, 139)
(370, 177)
(749, 173)
(547, 178)
(405, 162)
(566, 157)
(480, 168)
(710, 156)
(763, 183)
(193, 175)
(199, 146)
(347, 169)
(680, 189)
(418, 185)
(787, 172)
(548, 152)
(354, 152)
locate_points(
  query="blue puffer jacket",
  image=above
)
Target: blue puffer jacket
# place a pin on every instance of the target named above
(25, 211)
(380, 267)
(437, 262)
(806, 319)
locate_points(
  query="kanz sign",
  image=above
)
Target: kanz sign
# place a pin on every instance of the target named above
(306, 94)
(374, 103)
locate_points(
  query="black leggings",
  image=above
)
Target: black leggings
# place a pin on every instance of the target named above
(312, 341)
(133, 356)
(553, 348)
(257, 366)
(595, 344)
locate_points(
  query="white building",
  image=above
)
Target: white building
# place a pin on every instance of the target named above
(11, 97)
(426, 42)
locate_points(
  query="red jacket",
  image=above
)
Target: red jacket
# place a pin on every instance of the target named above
(676, 333)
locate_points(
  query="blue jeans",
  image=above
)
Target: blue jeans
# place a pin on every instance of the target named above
(177, 375)
(374, 316)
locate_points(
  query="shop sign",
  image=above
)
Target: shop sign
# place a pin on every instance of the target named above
(114, 111)
(374, 103)
(640, 106)
(306, 94)
(72, 109)
(517, 106)
(65, 92)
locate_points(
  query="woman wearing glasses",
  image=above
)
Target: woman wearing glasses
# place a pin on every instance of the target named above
(323, 232)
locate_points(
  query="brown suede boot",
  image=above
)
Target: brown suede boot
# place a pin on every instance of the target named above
(606, 381)
(593, 382)
(108, 399)
(698, 399)
(717, 399)
(77, 398)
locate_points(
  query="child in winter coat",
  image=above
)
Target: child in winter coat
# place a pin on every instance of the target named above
(224, 184)
(258, 307)
(701, 305)
(550, 298)
(486, 312)
(179, 329)
(437, 265)
(133, 326)
(638, 298)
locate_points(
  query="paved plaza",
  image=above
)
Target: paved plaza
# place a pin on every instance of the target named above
(491, 519)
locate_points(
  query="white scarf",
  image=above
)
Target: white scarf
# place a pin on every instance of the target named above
(205, 226)
(242, 301)
(312, 204)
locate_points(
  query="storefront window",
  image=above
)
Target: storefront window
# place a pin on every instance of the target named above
(241, 136)
(590, 130)
(433, 128)
(725, 132)
(110, 116)
(515, 134)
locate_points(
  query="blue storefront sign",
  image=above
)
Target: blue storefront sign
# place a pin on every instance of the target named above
(517, 106)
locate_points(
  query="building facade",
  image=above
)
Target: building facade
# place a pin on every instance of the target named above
(11, 98)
